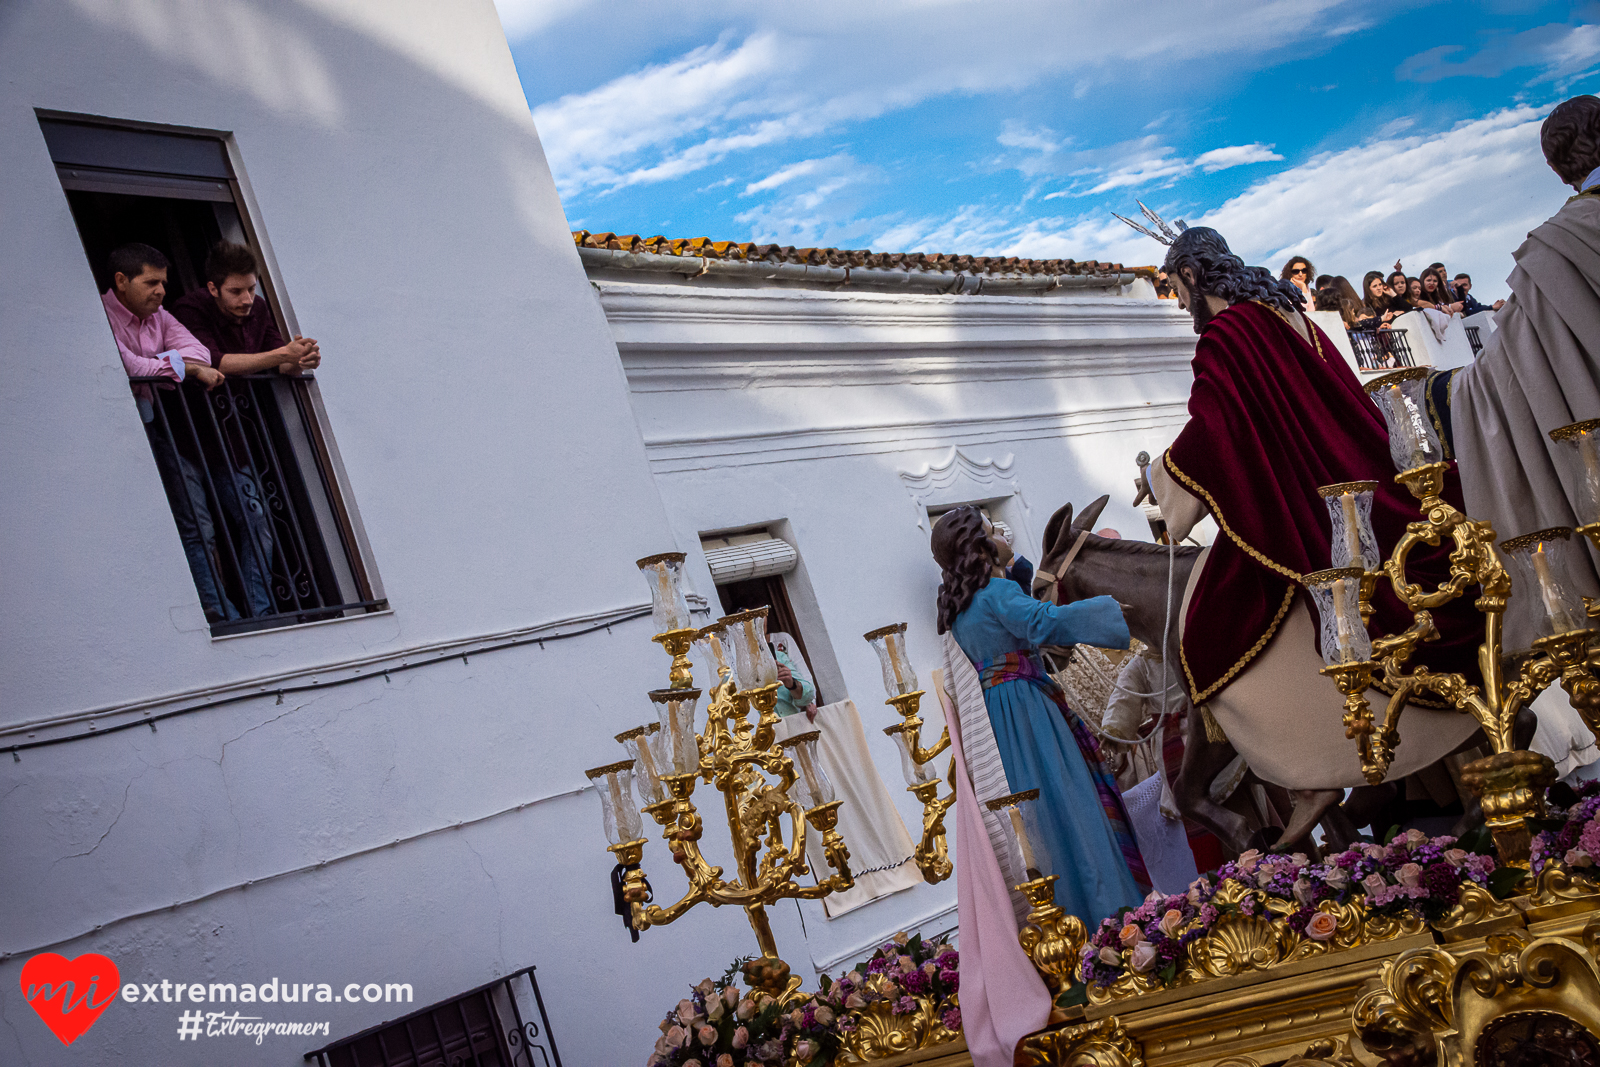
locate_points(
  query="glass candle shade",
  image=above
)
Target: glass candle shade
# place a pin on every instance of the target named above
(643, 744)
(1350, 513)
(915, 773)
(1020, 818)
(1402, 397)
(1579, 444)
(614, 783)
(811, 785)
(1337, 594)
(889, 642)
(678, 748)
(712, 644)
(668, 607)
(1541, 568)
(753, 662)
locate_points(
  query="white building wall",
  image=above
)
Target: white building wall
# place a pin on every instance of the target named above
(480, 410)
(827, 415)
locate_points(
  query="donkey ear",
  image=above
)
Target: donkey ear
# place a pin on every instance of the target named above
(1091, 513)
(1061, 520)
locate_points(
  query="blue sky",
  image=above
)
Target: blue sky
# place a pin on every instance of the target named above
(1349, 132)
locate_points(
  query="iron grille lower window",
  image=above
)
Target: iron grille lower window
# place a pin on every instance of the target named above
(1381, 349)
(245, 474)
(502, 1024)
(1474, 340)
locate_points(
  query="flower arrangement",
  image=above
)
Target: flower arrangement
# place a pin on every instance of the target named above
(1572, 835)
(901, 972)
(1413, 875)
(717, 1025)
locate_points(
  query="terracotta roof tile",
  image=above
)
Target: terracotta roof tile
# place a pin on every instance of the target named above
(839, 257)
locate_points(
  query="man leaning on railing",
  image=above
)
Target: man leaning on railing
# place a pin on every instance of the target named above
(154, 344)
(235, 324)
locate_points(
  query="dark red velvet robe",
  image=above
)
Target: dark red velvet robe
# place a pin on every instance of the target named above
(1271, 418)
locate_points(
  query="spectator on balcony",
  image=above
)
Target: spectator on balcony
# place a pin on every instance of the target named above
(1470, 304)
(1397, 285)
(235, 324)
(1379, 302)
(1414, 291)
(1299, 272)
(1435, 297)
(795, 690)
(153, 343)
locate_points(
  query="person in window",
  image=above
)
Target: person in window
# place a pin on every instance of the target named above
(154, 344)
(795, 691)
(1470, 305)
(1299, 272)
(235, 324)
(1042, 743)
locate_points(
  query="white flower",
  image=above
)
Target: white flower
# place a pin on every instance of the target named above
(1577, 857)
(1110, 957)
(1143, 959)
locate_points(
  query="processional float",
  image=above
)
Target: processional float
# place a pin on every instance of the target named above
(1496, 979)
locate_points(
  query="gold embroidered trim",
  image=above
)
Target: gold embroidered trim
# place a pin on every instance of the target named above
(1272, 628)
(1311, 328)
(1216, 513)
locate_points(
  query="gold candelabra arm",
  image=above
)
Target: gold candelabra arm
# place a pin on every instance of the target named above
(907, 704)
(933, 851)
(824, 819)
(1052, 938)
(677, 643)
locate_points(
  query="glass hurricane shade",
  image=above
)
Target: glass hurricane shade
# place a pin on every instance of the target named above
(614, 783)
(1350, 515)
(664, 573)
(1019, 817)
(753, 662)
(889, 642)
(811, 786)
(712, 644)
(677, 748)
(1541, 567)
(1402, 397)
(644, 744)
(1337, 594)
(915, 773)
(1579, 446)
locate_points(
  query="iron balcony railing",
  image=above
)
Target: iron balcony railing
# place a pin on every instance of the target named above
(247, 476)
(501, 1024)
(1474, 340)
(1381, 349)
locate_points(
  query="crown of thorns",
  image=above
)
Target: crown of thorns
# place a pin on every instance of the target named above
(1167, 234)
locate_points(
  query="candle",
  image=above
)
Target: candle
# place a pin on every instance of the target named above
(1591, 466)
(614, 781)
(809, 772)
(647, 762)
(1352, 530)
(1548, 593)
(1342, 622)
(1028, 863)
(894, 663)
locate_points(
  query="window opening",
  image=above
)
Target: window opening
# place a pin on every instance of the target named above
(766, 590)
(246, 466)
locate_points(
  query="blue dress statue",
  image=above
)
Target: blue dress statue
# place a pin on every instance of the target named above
(1042, 744)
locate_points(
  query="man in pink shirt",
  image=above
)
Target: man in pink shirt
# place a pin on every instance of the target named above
(153, 344)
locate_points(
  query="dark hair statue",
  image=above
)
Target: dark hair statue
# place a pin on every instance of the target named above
(1202, 258)
(131, 259)
(966, 560)
(227, 258)
(1570, 138)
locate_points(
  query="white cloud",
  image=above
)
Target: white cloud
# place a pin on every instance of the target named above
(1561, 52)
(1235, 156)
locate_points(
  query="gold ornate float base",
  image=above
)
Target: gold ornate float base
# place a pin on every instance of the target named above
(1513, 975)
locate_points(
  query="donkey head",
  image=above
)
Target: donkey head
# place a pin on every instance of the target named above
(1059, 534)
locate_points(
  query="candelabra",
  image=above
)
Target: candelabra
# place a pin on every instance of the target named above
(1052, 938)
(1510, 782)
(761, 783)
(900, 681)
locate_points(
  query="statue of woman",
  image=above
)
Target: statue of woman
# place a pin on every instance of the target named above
(1042, 744)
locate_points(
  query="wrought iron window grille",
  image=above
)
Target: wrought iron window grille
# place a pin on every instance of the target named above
(1475, 340)
(1381, 349)
(500, 1024)
(247, 476)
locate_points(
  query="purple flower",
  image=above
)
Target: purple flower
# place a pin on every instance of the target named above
(951, 980)
(951, 1019)
(905, 1006)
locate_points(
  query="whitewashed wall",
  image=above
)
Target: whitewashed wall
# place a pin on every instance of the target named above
(829, 415)
(477, 400)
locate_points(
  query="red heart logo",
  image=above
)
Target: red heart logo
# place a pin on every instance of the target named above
(67, 993)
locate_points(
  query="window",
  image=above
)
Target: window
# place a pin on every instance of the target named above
(748, 569)
(248, 467)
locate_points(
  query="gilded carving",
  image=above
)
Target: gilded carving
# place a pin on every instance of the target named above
(880, 1032)
(1098, 1044)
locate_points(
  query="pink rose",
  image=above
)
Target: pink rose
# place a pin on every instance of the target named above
(804, 1049)
(714, 1009)
(901, 938)
(855, 1002)
(1248, 859)
(1264, 876)
(1322, 926)
(1416, 837)
(1374, 884)
(823, 1016)
(707, 1035)
(855, 978)
(1409, 874)
(706, 987)
(1171, 921)
(1455, 857)
(741, 1037)
(1337, 879)
(1577, 857)
(1144, 957)
(746, 1009)
(677, 1037)
(1302, 890)
(725, 1060)
(730, 996)
(1131, 935)
(1110, 957)
(1193, 895)
(686, 1012)
(1299, 859)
